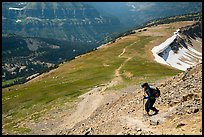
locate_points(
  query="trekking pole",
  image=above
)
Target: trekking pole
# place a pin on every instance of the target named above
(143, 104)
(156, 82)
(143, 107)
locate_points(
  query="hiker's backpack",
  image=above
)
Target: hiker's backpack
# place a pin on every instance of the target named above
(155, 91)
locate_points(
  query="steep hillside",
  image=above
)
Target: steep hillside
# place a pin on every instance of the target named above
(55, 103)
(73, 21)
(25, 57)
(38, 36)
(180, 108)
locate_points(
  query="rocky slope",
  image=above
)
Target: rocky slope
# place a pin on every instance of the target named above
(180, 108)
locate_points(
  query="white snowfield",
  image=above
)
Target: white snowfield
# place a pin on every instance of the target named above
(183, 59)
(16, 8)
(18, 21)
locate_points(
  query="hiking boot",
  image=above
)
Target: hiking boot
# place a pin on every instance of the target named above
(156, 112)
(148, 114)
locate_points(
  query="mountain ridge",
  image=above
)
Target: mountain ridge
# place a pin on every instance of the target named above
(65, 21)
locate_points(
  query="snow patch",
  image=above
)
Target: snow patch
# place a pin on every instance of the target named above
(163, 54)
(195, 51)
(18, 21)
(191, 63)
(33, 18)
(16, 8)
(174, 60)
(163, 47)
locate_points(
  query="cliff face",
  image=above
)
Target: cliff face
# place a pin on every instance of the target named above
(60, 20)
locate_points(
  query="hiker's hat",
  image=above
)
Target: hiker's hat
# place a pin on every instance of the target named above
(144, 84)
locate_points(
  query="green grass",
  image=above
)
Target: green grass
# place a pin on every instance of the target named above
(141, 67)
(31, 100)
(11, 81)
(146, 71)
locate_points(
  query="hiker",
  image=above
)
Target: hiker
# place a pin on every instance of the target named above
(150, 99)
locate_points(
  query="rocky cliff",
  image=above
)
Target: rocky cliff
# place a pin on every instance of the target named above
(61, 20)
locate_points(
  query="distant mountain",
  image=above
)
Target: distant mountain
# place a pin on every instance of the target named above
(132, 14)
(90, 22)
(73, 21)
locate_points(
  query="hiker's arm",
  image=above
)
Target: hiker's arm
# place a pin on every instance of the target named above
(148, 93)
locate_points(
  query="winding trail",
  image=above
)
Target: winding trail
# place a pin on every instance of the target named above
(122, 52)
(117, 78)
(90, 100)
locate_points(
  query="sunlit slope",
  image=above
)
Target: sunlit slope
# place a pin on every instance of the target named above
(130, 55)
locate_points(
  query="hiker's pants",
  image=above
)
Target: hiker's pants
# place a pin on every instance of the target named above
(149, 105)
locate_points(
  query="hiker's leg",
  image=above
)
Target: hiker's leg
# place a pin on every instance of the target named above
(147, 106)
(152, 101)
(154, 109)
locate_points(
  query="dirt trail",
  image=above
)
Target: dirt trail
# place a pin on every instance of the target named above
(85, 108)
(122, 52)
(117, 78)
(117, 111)
(90, 101)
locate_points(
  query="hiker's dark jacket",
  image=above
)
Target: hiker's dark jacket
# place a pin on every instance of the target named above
(148, 91)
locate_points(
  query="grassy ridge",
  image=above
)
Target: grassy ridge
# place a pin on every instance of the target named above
(31, 100)
(141, 68)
